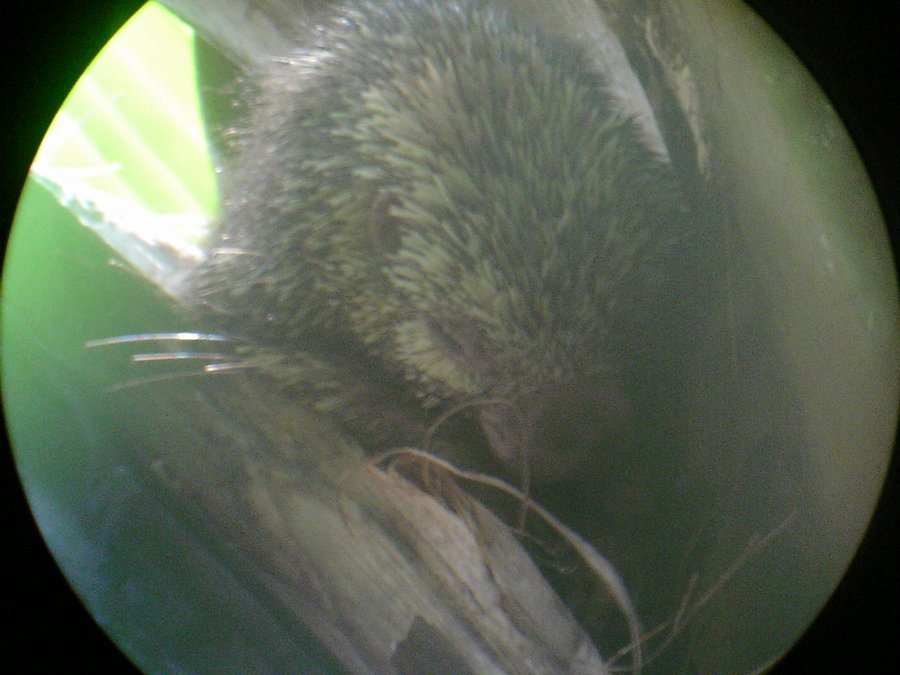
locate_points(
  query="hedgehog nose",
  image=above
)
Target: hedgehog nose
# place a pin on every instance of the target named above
(561, 431)
(578, 424)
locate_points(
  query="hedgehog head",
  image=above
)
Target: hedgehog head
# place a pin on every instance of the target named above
(467, 199)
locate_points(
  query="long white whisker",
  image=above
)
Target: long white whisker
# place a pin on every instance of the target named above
(180, 356)
(209, 368)
(214, 362)
(229, 367)
(155, 337)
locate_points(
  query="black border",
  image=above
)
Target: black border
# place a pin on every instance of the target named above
(852, 50)
(849, 47)
(49, 45)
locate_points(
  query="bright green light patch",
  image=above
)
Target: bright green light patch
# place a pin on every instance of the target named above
(131, 128)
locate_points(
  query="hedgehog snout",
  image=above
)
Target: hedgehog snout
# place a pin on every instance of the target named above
(559, 431)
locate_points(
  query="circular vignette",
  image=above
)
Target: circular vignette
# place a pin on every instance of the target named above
(847, 49)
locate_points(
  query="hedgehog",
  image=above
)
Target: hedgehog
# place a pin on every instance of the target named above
(438, 218)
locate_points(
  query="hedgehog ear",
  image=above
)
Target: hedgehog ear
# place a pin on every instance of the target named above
(384, 225)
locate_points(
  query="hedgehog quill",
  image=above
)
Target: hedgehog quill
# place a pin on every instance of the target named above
(446, 232)
(433, 207)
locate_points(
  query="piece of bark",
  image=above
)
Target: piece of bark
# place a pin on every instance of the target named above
(369, 562)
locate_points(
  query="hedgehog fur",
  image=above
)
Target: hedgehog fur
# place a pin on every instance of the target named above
(434, 205)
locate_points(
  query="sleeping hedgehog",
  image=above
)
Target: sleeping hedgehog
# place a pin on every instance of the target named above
(433, 208)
